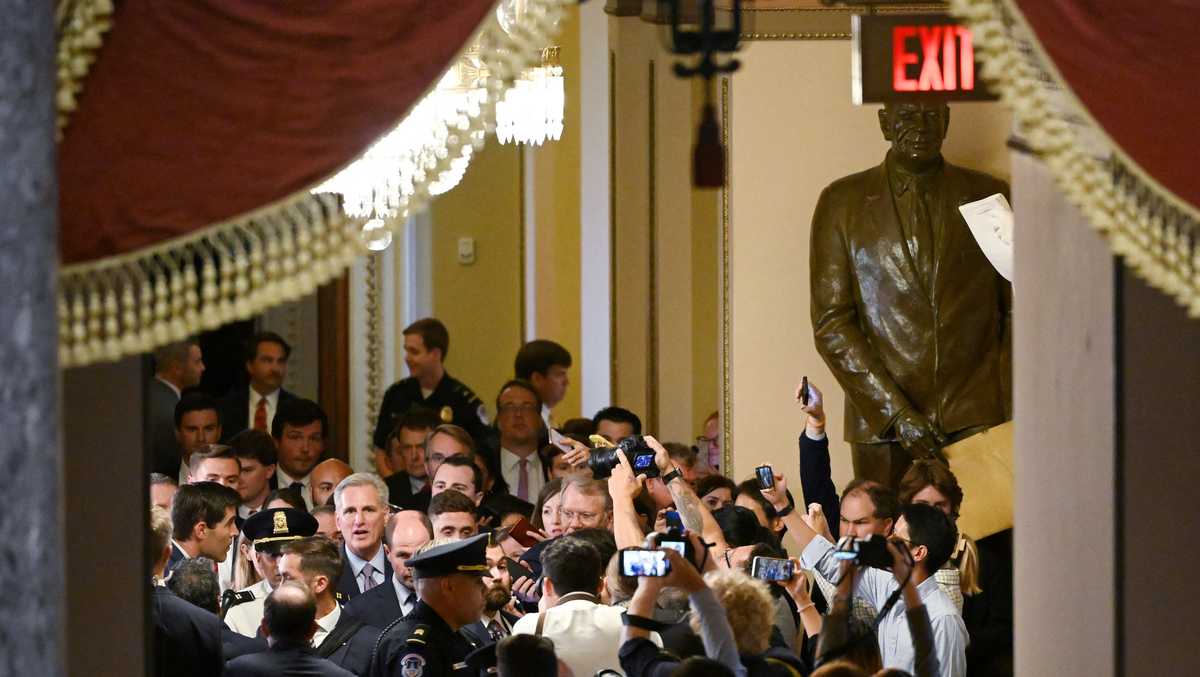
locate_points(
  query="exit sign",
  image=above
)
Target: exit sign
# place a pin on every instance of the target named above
(914, 57)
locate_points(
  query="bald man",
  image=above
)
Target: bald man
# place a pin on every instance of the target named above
(325, 477)
(406, 532)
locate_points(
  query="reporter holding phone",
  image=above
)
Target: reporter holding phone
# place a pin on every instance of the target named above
(930, 537)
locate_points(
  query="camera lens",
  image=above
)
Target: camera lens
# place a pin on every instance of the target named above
(602, 461)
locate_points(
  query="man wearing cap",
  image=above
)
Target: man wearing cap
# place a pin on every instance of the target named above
(450, 586)
(267, 530)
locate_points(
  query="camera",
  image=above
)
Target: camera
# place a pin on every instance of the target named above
(866, 552)
(675, 540)
(602, 460)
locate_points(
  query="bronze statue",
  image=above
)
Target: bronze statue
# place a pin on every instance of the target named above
(907, 312)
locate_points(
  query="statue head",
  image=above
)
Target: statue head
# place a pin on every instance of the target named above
(916, 131)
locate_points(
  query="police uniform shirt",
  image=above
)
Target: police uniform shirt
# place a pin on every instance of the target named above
(245, 618)
(421, 645)
(453, 401)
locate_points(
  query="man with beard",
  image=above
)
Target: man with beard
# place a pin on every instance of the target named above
(267, 530)
(498, 617)
(406, 533)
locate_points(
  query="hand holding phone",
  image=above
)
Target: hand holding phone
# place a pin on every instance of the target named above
(520, 532)
(674, 521)
(765, 476)
(648, 563)
(804, 391)
(772, 569)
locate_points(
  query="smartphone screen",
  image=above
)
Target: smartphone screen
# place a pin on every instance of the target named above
(644, 563)
(642, 462)
(678, 546)
(771, 569)
(674, 521)
(515, 570)
(766, 477)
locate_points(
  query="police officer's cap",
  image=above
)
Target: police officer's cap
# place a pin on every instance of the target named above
(270, 529)
(459, 557)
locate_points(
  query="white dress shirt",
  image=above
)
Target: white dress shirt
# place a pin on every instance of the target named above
(272, 405)
(895, 643)
(510, 468)
(586, 635)
(245, 618)
(284, 480)
(325, 625)
(185, 472)
(547, 417)
(357, 563)
(408, 598)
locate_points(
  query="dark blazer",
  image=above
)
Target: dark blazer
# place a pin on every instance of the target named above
(478, 633)
(234, 644)
(235, 410)
(176, 557)
(378, 606)
(400, 491)
(187, 639)
(350, 644)
(284, 660)
(418, 501)
(159, 441)
(347, 587)
(894, 339)
(816, 480)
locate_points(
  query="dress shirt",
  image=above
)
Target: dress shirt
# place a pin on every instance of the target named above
(895, 641)
(283, 481)
(547, 417)
(407, 598)
(228, 569)
(587, 636)
(272, 406)
(357, 563)
(487, 619)
(184, 472)
(245, 511)
(246, 617)
(326, 624)
(510, 468)
(416, 483)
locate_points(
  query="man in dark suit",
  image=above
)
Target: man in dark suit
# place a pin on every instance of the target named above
(195, 582)
(906, 310)
(405, 453)
(407, 532)
(187, 639)
(361, 501)
(203, 518)
(340, 637)
(177, 367)
(254, 406)
(288, 623)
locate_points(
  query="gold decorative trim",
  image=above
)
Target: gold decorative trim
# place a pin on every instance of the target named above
(1154, 231)
(612, 225)
(374, 338)
(135, 302)
(652, 265)
(726, 308)
(797, 36)
(81, 28)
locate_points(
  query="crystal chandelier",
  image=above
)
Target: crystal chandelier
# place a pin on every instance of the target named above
(532, 110)
(405, 155)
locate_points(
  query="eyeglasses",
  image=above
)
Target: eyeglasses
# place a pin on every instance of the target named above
(527, 408)
(568, 516)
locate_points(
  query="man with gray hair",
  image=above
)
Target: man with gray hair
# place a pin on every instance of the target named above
(177, 367)
(361, 501)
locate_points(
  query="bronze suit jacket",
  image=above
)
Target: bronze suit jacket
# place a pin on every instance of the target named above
(893, 343)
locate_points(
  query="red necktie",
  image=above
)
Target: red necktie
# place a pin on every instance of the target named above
(260, 415)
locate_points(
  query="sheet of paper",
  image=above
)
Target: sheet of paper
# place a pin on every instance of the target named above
(991, 222)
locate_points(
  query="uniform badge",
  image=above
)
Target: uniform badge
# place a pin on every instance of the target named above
(412, 665)
(447, 415)
(280, 522)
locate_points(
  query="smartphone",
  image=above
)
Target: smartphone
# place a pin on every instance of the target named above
(637, 562)
(520, 533)
(515, 570)
(766, 477)
(804, 391)
(674, 521)
(560, 440)
(772, 569)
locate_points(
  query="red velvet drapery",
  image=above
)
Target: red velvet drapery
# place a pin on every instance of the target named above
(198, 111)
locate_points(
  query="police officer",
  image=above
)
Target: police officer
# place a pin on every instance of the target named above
(426, 343)
(426, 641)
(267, 530)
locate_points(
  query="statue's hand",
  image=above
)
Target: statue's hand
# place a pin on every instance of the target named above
(917, 434)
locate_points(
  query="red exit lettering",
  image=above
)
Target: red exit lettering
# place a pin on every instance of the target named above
(946, 59)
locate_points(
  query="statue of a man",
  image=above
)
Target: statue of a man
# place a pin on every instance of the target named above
(906, 310)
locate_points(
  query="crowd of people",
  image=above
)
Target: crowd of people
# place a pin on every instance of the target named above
(524, 547)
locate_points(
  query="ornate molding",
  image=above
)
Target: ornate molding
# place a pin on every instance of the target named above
(726, 299)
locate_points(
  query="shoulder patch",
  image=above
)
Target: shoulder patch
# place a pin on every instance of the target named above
(412, 665)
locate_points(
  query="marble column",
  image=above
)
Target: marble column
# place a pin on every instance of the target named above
(31, 566)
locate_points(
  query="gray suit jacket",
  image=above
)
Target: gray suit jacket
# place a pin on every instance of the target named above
(161, 446)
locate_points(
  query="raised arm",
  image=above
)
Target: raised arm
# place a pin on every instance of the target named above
(816, 474)
(623, 487)
(695, 515)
